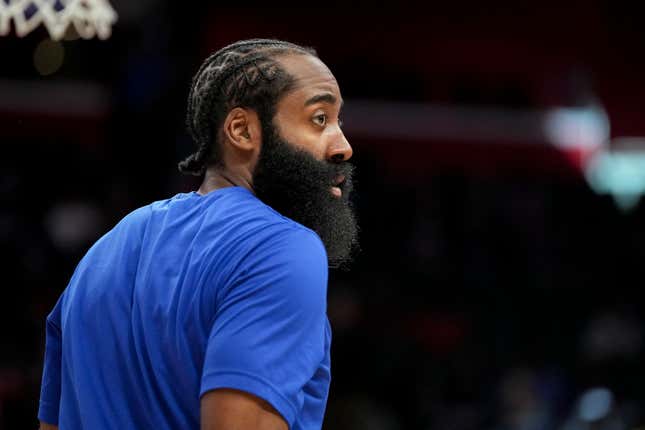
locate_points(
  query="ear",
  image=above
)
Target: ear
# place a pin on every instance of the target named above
(242, 129)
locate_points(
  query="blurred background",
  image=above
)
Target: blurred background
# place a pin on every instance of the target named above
(500, 149)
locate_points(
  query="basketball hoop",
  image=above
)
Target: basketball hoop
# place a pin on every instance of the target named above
(89, 17)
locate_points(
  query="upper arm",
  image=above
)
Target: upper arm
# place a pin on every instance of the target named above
(45, 426)
(268, 334)
(236, 410)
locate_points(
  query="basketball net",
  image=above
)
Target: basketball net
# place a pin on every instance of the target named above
(89, 17)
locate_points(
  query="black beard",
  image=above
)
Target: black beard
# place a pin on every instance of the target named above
(296, 184)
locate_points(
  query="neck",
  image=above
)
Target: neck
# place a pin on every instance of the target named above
(216, 178)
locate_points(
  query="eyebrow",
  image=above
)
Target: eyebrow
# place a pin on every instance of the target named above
(325, 97)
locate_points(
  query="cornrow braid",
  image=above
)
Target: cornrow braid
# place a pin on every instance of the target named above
(243, 74)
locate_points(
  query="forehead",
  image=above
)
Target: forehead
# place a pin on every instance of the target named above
(311, 77)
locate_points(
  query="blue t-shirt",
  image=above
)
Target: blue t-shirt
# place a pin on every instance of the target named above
(184, 296)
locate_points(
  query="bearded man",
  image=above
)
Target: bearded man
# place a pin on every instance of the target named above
(209, 308)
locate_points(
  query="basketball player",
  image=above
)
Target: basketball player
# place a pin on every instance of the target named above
(209, 308)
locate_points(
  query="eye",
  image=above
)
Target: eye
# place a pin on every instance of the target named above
(320, 119)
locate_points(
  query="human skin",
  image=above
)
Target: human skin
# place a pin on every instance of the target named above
(307, 116)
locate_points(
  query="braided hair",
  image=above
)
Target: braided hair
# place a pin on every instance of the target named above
(243, 74)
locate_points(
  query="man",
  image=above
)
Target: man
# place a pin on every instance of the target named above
(210, 307)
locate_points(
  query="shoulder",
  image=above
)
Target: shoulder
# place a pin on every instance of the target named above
(137, 218)
(286, 255)
(289, 266)
(270, 231)
(290, 242)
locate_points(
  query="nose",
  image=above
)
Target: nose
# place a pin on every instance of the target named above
(339, 149)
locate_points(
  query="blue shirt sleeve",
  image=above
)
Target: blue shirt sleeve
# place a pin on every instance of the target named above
(268, 336)
(50, 387)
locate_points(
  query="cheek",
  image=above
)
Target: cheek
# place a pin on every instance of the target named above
(307, 138)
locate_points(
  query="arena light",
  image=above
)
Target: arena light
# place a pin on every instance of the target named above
(619, 171)
(89, 18)
(595, 404)
(577, 128)
(585, 127)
